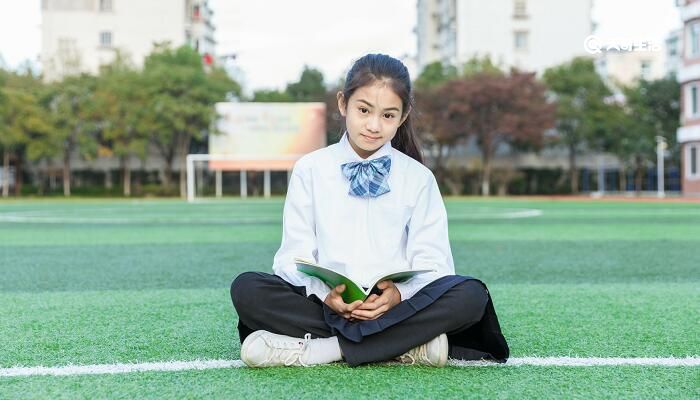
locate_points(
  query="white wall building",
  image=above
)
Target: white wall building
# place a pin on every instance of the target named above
(688, 134)
(81, 35)
(624, 68)
(529, 34)
(674, 47)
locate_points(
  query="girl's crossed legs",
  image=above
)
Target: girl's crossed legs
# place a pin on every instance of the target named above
(267, 302)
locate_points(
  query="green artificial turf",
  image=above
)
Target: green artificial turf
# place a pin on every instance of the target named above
(117, 281)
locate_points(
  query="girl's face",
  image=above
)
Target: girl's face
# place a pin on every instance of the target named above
(372, 116)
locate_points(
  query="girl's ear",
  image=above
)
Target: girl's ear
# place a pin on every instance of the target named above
(406, 115)
(341, 103)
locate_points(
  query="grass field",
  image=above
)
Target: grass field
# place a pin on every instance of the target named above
(103, 282)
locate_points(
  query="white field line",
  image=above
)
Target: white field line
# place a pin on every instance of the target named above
(217, 364)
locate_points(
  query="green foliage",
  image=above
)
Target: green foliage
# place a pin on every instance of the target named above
(180, 101)
(119, 106)
(271, 96)
(310, 86)
(653, 109)
(70, 104)
(22, 119)
(435, 74)
(580, 94)
(585, 120)
(480, 66)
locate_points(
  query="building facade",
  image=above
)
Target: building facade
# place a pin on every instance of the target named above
(620, 68)
(674, 44)
(81, 35)
(527, 34)
(688, 134)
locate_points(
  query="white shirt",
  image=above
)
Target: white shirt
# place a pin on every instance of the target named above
(363, 237)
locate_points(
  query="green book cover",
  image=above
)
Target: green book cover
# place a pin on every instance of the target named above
(353, 291)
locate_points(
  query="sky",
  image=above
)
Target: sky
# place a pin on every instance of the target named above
(272, 47)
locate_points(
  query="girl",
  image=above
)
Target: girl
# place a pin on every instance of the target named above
(364, 206)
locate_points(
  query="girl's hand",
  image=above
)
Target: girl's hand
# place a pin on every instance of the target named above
(375, 306)
(334, 300)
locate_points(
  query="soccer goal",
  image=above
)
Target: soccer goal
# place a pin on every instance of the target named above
(209, 174)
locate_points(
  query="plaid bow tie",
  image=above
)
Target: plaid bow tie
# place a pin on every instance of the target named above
(368, 178)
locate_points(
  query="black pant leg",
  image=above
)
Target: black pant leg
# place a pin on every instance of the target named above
(459, 308)
(268, 302)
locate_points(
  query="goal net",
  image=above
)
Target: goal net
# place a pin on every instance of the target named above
(214, 176)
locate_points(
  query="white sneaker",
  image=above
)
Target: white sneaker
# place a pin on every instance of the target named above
(267, 349)
(433, 353)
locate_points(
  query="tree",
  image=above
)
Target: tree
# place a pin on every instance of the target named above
(120, 101)
(434, 75)
(310, 86)
(181, 97)
(21, 116)
(652, 109)
(480, 66)
(439, 125)
(271, 96)
(70, 104)
(500, 109)
(580, 96)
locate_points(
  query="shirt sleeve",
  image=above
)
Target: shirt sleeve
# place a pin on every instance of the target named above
(299, 236)
(428, 243)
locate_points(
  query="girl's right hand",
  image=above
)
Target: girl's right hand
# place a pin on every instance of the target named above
(334, 300)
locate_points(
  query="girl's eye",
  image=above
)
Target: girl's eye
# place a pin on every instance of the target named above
(388, 115)
(364, 110)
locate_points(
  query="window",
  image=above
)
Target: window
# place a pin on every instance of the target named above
(105, 5)
(672, 46)
(692, 103)
(72, 5)
(645, 70)
(521, 40)
(519, 9)
(106, 39)
(66, 44)
(693, 40)
(693, 169)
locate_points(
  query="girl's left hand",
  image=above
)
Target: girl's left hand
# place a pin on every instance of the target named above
(375, 306)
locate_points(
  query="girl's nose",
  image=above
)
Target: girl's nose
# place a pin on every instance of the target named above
(373, 124)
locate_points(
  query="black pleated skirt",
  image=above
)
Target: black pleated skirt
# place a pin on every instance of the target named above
(485, 335)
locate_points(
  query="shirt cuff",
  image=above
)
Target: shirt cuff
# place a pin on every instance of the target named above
(407, 290)
(321, 291)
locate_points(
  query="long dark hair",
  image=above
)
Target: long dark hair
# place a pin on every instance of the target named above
(374, 67)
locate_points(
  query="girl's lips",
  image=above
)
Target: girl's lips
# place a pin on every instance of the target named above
(369, 137)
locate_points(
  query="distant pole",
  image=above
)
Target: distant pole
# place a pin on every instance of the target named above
(660, 149)
(244, 184)
(190, 178)
(601, 174)
(218, 183)
(267, 183)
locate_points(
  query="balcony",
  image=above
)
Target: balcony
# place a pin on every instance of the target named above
(689, 73)
(690, 11)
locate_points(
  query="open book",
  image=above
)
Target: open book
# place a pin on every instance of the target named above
(353, 291)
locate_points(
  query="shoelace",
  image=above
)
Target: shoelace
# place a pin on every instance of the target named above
(417, 353)
(281, 347)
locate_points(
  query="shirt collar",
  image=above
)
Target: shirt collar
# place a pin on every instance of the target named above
(348, 154)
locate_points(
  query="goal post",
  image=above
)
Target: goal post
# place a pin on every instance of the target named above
(205, 171)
